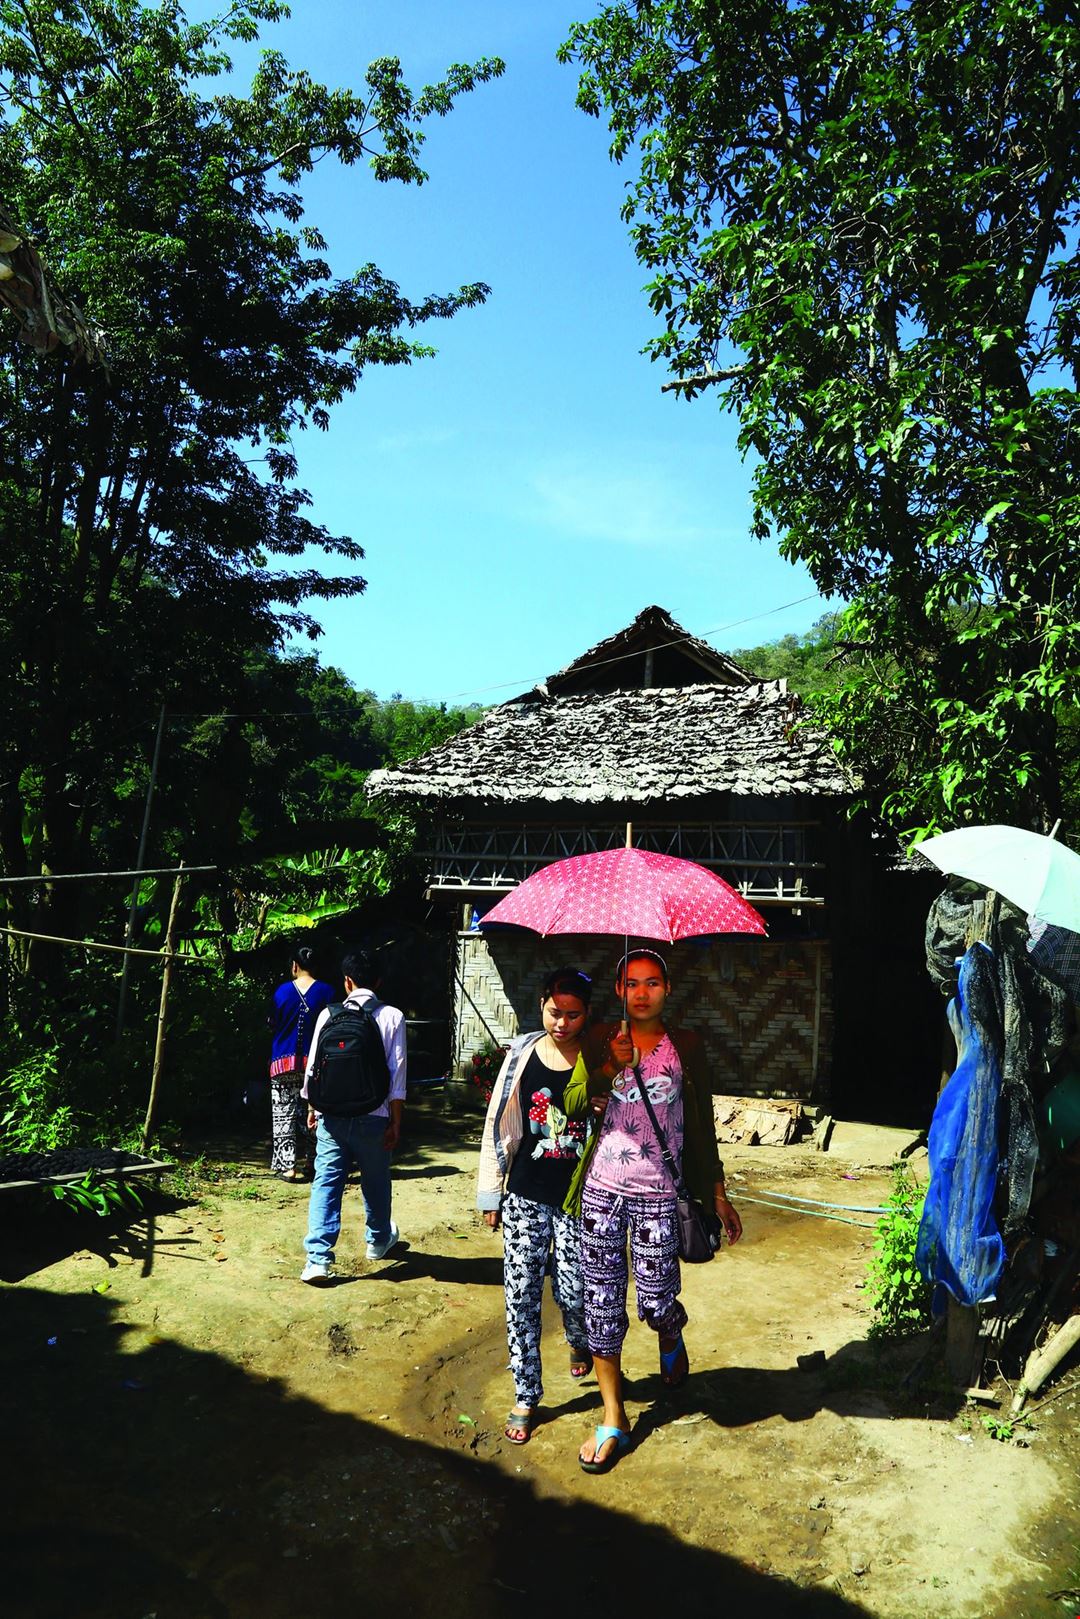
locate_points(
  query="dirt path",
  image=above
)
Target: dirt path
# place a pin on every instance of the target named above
(194, 1434)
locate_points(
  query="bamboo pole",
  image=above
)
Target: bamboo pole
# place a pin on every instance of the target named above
(1046, 1360)
(51, 877)
(92, 944)
(121, 1010)
(159, 1043)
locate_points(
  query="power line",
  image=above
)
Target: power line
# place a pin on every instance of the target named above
(679, 640)
(473, 691)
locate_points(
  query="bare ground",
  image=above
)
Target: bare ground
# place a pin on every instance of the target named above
(192, 1434)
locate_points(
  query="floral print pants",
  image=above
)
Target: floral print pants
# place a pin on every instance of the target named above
(294, 1143)
(607, 1219)
(538, 1239)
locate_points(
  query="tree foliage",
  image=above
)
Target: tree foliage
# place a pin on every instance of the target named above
(812, 663)
(157, 541)
(860, 224)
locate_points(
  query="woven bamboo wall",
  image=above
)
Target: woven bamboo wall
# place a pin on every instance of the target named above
(754, 1001)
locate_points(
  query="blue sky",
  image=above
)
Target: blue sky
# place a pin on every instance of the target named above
(529, 490)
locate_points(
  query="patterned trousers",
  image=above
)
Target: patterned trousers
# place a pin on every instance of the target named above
(538, 1239)
(607, 1219)
(294, 1143)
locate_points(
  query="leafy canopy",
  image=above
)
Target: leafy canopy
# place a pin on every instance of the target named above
(156, 536)
(860, 224)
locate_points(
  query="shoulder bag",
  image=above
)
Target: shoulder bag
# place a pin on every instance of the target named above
(700, 1230)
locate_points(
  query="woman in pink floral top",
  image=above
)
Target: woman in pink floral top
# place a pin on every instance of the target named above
(625, 1193)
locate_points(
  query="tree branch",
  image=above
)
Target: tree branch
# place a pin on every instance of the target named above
(706, 378)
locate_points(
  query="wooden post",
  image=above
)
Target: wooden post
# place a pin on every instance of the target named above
(121, 1011)
(159, 1043)
(963, 1346)
(815, 1053)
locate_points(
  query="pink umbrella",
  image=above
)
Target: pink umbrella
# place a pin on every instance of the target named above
(629, 891)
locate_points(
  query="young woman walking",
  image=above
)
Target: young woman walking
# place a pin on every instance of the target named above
(297, 1004)
(624, 1192)
(529, 1152)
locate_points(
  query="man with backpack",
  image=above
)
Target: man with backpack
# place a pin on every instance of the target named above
(355, 1091)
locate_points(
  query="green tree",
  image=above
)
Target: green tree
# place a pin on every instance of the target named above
(153, 529)
(860, 224)
(812, 663)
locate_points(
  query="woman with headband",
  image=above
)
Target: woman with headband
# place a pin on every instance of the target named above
(624, 1191)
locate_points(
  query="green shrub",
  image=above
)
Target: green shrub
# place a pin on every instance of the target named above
(33, 1115)
(899, 1296)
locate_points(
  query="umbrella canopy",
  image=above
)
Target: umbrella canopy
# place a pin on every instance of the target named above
(629, 891)
(1037, 874)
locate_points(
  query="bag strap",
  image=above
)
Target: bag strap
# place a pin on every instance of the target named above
(672, 1168)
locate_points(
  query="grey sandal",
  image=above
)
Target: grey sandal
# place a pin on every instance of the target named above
(523, 1423)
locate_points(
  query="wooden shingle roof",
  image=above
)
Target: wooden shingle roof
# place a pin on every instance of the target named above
(639, 746)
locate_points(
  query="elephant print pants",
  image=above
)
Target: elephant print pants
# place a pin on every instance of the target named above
(607, 1220)
(538, 1239)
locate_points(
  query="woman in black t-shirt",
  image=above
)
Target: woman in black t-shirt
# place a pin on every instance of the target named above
(529, 1153)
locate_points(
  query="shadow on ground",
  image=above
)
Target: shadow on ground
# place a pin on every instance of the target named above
(36, 1231)
(152, 1479)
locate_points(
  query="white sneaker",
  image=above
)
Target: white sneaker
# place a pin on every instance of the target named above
(379, 1250)
(316, 1273)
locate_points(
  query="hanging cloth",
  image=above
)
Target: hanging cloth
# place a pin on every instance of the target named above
(959, 1245)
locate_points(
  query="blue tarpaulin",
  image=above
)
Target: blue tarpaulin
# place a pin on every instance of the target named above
(960, 1246)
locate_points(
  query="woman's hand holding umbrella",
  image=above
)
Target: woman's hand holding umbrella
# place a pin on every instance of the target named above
(624, 1053)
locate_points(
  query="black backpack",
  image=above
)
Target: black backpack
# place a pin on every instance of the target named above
(349, 1073)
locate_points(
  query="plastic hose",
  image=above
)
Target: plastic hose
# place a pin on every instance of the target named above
(848, 1208)
(814, 1214)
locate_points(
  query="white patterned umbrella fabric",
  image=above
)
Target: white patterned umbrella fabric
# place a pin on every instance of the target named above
(1037, 874)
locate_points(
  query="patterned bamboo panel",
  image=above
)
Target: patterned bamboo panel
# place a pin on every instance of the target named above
(756, 1003)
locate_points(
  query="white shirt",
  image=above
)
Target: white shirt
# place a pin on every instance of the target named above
(392, 1028)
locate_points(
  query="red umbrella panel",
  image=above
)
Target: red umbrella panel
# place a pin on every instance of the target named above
(634, 892)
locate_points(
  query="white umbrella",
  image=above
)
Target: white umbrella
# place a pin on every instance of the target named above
(1036, 873)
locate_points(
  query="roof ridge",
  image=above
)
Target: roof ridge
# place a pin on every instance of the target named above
(664, 623)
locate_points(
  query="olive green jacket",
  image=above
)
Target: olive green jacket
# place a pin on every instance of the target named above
(701, 1164)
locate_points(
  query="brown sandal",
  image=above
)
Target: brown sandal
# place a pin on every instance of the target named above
(581, 1364)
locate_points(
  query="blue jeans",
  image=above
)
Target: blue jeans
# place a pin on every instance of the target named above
(339, 1144)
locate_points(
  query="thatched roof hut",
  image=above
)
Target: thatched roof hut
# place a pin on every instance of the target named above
(654, 727)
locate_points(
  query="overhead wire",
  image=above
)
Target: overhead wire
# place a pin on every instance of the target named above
(473, 691)
(502, 685)
(679, 640)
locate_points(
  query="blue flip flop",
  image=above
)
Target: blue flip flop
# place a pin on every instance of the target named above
(668, 1357)
(621, 1437)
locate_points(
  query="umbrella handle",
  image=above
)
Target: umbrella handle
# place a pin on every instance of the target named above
(636, 1059)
